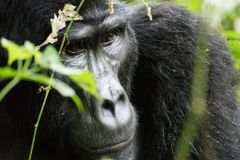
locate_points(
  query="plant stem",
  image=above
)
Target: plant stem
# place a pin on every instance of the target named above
(38, 121)
(49, 85)
(19, 65)
(27, 64)
(69, 27)
(9, 87)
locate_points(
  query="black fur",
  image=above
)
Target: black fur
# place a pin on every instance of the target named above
(156, 76)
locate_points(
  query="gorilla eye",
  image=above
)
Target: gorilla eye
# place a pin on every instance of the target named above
(109, 38)
(74, 48)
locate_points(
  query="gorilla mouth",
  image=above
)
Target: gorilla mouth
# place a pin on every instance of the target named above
(110, 148)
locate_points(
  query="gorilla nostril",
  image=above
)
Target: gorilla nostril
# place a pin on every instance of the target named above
(108, 105)
(121, 98)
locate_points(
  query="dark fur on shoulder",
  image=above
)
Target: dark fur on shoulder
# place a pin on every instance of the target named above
(167, 49)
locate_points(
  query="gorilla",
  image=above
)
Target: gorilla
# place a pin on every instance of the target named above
(144, 73)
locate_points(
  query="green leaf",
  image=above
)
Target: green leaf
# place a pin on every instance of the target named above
(49, 57)
(29, 46)
(78, 103)
(194, 5)
(232, 34)
(16, 52)
(50, 60)
(86, 81)
(61, 87)
(64, 89)
(234, 41)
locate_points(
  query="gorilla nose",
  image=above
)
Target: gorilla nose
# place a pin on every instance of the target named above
(115, 112)
(109, 105)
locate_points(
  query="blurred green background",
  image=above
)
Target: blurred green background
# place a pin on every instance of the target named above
(223, 15)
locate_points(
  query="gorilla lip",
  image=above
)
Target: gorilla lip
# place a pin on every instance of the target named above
(113, 147)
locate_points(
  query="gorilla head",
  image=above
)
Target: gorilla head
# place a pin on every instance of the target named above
(106, 46)
(143, 71)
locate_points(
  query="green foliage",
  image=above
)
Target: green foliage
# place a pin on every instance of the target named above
(229, 18)
(16, 52)
(49, 59)
(234, 41)
(194, 5)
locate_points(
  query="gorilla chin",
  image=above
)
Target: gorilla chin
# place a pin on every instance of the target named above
(121, 151)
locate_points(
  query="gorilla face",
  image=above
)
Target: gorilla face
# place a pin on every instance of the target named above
(107, 49)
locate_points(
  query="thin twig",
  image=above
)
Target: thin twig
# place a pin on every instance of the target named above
(9, 87)
(13, 82)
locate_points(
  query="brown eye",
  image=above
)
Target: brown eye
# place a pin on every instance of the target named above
(74, 48)
(109, 38)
